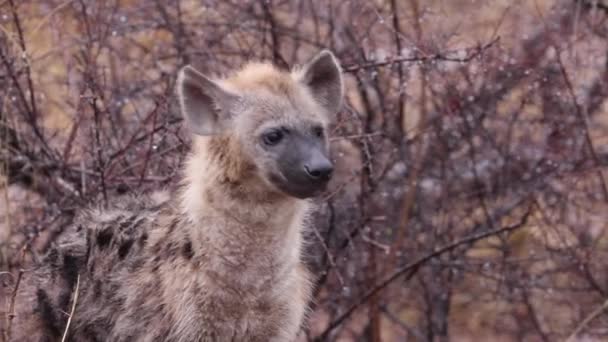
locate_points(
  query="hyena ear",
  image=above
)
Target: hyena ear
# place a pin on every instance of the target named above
(324, 78)
(204, 103)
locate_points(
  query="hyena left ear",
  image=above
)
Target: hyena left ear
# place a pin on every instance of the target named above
(324, 78)
(204, 103)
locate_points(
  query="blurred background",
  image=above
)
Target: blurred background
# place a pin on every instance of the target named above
(470, 201)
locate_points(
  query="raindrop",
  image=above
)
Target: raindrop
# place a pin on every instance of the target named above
(346, 290)
(114, 33)
(471, 98)
(123, 19)
(4, 17)
(14, 98)
(154, 147)
(486, 266)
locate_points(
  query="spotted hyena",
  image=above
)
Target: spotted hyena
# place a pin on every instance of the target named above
(219, 260)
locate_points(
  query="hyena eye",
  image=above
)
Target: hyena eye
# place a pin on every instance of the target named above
(318, 131)
(273, 137)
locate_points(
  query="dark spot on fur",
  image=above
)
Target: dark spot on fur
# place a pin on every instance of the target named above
(157, 247)
(127, 223)
(136, 264)
(53, 256)
(122, 188)
(97, 290)
(89, 246)
(47, 313)
(112, 290)
(143, 239)
(187, 251)
(172, 250)
(79, 228)
(124, 248)
(156, 263)
(70, 270)
(263, 307)
(172, 227)
(119, 301)
(104, 237)
(64, 299)
(91, 333)
(138, 223)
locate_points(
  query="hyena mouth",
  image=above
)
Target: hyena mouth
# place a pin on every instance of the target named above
(296, 187)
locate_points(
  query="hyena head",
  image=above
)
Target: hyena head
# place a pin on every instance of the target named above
(275, 122)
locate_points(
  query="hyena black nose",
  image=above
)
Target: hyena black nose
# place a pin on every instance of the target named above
(320, 170)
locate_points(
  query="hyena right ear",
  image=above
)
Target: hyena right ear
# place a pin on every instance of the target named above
(324, 78)
(204, 103)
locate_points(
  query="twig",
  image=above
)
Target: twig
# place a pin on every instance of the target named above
(586, 321)
(11, 306)
(356, 136)
(65, 333)
(100, 162)
(28, 73)
(276, 43)
(425, 58)
(4, 146)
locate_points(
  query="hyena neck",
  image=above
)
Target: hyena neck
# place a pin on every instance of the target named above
(234, 212)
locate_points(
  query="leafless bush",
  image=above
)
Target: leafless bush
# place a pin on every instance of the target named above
(470, 201)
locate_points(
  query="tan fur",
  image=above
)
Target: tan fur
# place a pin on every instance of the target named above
(218, 261)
